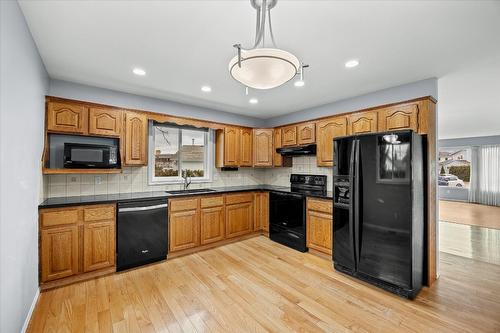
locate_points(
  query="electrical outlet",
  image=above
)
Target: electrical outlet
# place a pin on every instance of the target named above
(73, 179)
(98, 180)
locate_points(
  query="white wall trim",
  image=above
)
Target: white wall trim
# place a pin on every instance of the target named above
(30, 312)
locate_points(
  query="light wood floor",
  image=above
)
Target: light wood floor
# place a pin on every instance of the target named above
(470, 241)
(257, 285)
(470, 214)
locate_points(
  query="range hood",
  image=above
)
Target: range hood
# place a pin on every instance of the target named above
(298, 150)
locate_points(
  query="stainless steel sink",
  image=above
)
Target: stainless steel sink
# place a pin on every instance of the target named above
(195, 190)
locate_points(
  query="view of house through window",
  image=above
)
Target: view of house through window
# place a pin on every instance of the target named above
(175, 149)
(454, 167)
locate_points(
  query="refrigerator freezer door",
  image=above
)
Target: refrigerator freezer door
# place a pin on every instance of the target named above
(384, 209)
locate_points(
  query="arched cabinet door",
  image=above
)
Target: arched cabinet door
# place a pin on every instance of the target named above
(306, 133)
(399, 117)
(263, 147)
(136, 133)
(105, 122)
(67, 118)
(363, 122)
(327, 131)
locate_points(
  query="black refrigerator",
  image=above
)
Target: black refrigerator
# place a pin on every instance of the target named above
(378, 198)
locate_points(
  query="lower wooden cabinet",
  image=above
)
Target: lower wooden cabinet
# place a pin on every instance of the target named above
(261, 202)
(239, 219)
(184, 228)
(76, 240)
(212, 224)
(319, 225)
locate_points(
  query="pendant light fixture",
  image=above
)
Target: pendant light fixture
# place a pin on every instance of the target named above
(262, 67)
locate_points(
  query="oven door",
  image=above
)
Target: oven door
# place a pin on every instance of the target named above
(287, 220)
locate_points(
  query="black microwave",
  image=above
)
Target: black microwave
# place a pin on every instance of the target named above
(79, 155)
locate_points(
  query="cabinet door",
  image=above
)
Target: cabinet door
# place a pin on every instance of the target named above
(257, 225)
(328, 130)
(105, 122)
(363, 122)
(136, 132)
(306, 133)
(231, 146)
(98, 245)
(239, 219)
(263, 147)
(264, 211)
(399, 117)
(212, 224)
(319, 231)
(289, 136)
(59, 252)
(246, 146)
(66, 117)
(183, 230)
(277, 158)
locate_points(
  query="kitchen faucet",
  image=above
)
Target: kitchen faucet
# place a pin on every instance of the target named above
(187, 180)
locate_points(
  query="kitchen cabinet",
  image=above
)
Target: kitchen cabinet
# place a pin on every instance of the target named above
(107, 122)
(327, 130)
(99, 245)
(289, 136)
(261, 202)
(278, 159)
(263, 147)
(67, 118)
(183, 224)
(399, 117)
(136, 136)
(246, 147)
(212, 220)
(75, 241)
(227, 145)
(306, 133)
(319, 224)
(362, 122)
(239, 214)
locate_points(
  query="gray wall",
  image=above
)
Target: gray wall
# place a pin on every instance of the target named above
(23, 84)
(121, 99)
(404, 92)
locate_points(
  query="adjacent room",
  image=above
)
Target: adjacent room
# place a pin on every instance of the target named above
(249, 166)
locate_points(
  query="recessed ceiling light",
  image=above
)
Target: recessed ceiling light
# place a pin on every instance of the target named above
(139, 71)
(253, 101)
(206, 89)
(299, 83)
(352, 63)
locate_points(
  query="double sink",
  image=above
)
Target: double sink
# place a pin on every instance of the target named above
(196, 190)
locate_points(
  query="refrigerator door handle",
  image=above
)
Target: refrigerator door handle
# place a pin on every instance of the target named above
(357, 206)
(352, 204)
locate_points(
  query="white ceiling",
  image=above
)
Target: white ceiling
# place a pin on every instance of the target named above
(186, 44)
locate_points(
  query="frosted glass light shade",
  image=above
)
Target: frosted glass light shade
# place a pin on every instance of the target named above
(264, 68)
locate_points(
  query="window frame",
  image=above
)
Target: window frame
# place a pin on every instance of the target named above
(207, 160)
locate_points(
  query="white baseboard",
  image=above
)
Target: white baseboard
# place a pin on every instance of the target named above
(30, 312)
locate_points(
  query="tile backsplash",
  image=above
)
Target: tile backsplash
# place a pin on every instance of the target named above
(136, 179)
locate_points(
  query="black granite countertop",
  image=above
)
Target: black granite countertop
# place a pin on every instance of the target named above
(114, 198)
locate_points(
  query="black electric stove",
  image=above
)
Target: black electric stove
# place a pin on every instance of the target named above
(287, 211)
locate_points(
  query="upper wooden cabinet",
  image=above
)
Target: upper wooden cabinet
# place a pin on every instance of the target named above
(246, 140)
(362, 122)
(289, 136)
(306, 133)
(398, 118)
(227, 147)
(327, 130)
(263, 147)
(105, 122)
(67, 118)
(136, 136)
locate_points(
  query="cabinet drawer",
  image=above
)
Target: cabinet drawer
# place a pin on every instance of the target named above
(212, 201)
(183, 204)
(324, 206)
(60, 216)
(99, 213)
(239, 198)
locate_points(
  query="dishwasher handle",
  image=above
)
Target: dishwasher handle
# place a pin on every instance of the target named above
(139, 209)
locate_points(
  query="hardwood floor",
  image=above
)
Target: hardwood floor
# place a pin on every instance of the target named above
(470, 241)
(257, 285)
(470, 214)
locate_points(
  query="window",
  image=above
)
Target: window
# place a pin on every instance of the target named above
(174, 149)
(454, 167)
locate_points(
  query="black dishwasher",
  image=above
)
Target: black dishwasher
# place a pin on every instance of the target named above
(142, 232)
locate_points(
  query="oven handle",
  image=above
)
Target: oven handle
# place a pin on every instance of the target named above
(138, 209)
